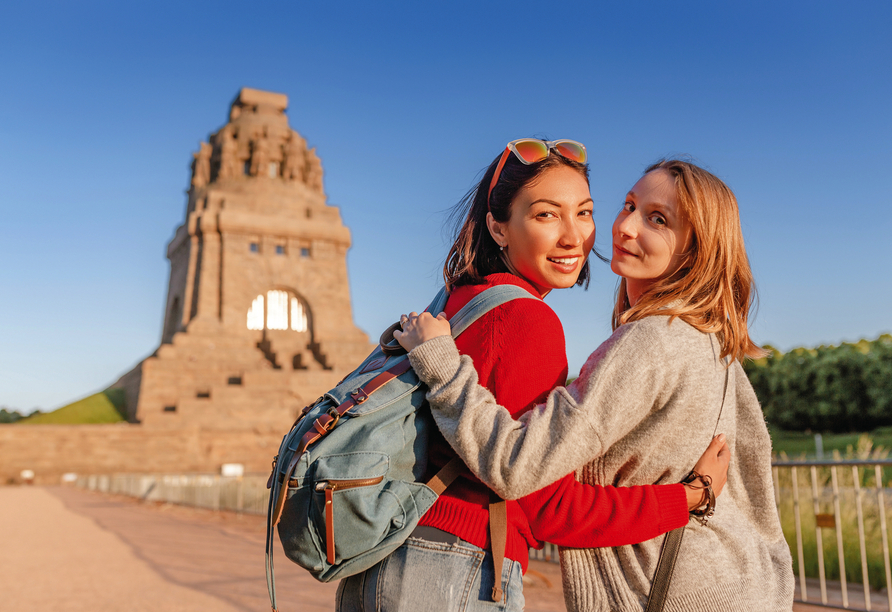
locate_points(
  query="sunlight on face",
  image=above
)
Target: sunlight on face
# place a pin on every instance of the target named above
(550, 231)
(650, 235)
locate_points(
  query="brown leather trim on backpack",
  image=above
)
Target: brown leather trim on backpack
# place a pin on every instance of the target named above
(498, 535)
(329, 526)
(326, 422)
(446, 476)
(498, 519)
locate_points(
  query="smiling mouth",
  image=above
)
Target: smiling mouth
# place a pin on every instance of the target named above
(564, 261)
(622, 251)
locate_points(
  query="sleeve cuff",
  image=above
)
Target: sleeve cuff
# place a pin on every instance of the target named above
(673, 505)
(436, 361)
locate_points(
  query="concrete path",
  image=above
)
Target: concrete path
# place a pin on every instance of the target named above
(68, 550)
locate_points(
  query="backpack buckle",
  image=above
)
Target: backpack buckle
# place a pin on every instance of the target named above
(335, 417)
(359, 396)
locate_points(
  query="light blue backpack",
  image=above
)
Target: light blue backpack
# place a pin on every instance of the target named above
(344, 489)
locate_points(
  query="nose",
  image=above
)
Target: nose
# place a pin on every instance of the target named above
(576, 232)
(626, 224)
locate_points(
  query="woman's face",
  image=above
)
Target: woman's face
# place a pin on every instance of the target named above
(550, 231)
(650, 236)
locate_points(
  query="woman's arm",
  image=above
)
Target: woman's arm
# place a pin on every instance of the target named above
(597, 516)
(628, 373)
(516, 458)
(576, 515)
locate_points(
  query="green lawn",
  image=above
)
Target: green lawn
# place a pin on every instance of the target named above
(103, 407)
(796, 444)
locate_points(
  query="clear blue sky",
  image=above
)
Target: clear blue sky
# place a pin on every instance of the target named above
(103, 103)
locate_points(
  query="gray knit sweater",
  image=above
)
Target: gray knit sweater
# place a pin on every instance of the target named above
(642, 411)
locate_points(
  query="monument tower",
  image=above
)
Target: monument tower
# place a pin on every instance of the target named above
(258, 319)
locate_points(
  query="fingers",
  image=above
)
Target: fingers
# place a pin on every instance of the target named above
(419, 328)
(409, 318)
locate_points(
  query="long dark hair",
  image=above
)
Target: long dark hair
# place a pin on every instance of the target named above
(474, 253)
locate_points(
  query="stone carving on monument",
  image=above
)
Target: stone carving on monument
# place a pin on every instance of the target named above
(295, 158)
(313, 171)
(258, 320)
(201, 166)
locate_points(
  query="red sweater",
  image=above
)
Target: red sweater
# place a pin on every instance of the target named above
(519, 354)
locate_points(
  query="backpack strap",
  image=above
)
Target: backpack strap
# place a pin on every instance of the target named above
(446, 476)
(659, 588)
(478, 306)
(498, 534)
(485, 301)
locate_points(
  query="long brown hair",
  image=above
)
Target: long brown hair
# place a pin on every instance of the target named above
(713, 289)
(474, 253)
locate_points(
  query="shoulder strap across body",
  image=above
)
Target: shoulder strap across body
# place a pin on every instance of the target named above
(659, 588)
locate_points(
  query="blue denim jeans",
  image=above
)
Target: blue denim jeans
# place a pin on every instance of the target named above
(422, 575)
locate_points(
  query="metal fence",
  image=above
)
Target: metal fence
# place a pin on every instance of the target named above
(833, 514)
(834, 518)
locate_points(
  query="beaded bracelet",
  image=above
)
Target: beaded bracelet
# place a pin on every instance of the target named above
(706, 509)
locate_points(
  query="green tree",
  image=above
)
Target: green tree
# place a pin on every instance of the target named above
(841, 388)
(9, 416)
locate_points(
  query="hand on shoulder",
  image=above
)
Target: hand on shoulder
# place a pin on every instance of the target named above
(419, 328)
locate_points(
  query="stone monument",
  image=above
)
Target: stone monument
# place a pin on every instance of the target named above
(257, 322)
(258, 319)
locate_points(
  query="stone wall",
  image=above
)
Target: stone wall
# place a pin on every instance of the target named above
(53, 450)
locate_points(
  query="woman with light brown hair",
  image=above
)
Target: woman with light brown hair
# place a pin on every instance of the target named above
(645, 403)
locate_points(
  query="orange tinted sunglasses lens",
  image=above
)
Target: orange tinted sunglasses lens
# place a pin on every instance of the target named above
(572, 150)
(531, 151)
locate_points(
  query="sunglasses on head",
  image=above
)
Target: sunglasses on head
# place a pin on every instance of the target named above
(532, 150)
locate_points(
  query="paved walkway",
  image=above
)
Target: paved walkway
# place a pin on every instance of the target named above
(69, 550)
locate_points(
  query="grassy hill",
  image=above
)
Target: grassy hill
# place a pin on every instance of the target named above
(104, 407)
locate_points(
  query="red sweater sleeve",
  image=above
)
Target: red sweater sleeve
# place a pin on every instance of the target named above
(576, 515)
(528, 364)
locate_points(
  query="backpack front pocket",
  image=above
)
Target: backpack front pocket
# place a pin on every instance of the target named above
(355, 505)
(328, 487)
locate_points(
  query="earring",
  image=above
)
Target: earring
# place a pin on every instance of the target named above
(501, 248)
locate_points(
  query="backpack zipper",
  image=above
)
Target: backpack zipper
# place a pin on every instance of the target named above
(330, 486)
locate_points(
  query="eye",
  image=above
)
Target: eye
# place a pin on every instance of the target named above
(545, 214)
(658, 219)
(628, 206)
(586, 213)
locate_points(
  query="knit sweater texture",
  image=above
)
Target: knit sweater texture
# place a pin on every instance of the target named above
(519, 354)
(643, 409)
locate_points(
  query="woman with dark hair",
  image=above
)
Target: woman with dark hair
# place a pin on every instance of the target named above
(528, 223)
(644, 404)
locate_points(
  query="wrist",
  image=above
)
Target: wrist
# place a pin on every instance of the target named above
(436, 361)
(696, 483)
(694, 495)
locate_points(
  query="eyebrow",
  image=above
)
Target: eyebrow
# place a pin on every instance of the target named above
(558, 204)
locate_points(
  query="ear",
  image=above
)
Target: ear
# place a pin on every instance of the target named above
(496, 230)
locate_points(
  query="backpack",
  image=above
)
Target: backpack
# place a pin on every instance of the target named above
(344, 487)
